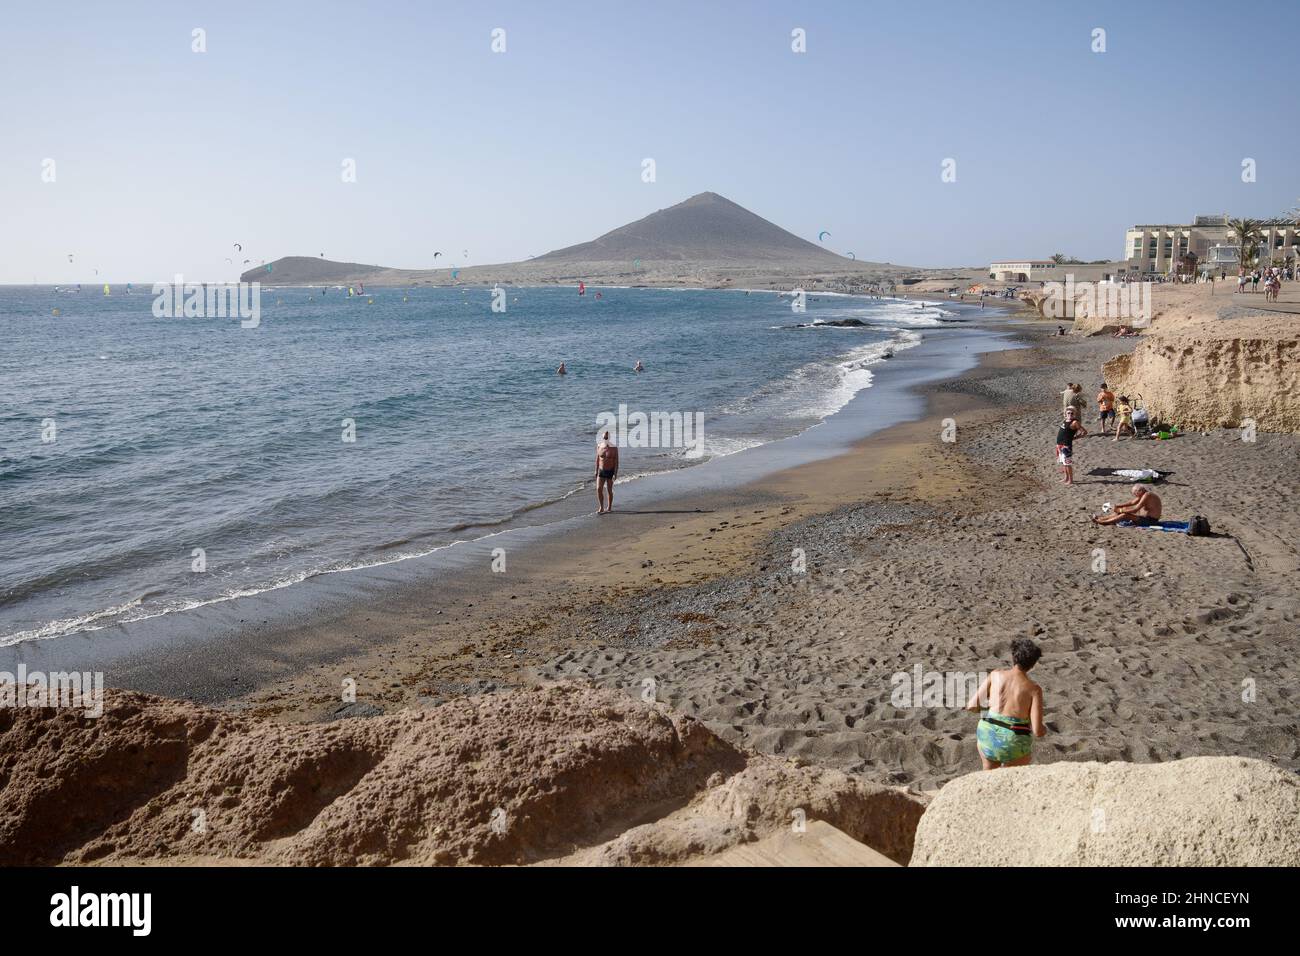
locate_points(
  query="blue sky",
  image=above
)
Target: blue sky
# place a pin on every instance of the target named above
(164, 158)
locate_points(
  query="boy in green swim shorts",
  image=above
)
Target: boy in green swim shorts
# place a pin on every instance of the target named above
(1006, 733)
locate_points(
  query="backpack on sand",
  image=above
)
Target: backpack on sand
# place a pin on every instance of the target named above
(1198, 526)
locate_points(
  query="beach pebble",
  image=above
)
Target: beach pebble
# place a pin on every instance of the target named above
(344, 711)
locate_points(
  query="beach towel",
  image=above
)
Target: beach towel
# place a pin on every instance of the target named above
(1133, 474)
(1139, 474)
(1178, 526)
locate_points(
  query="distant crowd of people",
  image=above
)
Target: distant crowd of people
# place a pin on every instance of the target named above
(1115, 415)
(1271, 279)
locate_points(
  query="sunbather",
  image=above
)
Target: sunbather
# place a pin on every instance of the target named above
(1145, 508)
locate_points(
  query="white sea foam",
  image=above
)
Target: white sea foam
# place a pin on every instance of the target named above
(855, 372)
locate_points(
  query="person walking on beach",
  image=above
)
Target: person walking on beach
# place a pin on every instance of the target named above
(1106, 408)
(1006, 731)
(1065, 435)
(606, 472)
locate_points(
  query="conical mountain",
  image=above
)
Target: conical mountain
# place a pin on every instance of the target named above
(705, 228)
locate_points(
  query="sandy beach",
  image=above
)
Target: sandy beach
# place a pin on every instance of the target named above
(921, 553)
(801, 617)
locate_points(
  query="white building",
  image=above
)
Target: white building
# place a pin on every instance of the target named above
(1157, 249)
(1022, 270)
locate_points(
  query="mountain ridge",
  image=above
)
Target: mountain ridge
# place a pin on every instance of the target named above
(705, 239)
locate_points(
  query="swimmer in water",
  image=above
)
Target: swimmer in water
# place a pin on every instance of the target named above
(561, 370)
(638, 367)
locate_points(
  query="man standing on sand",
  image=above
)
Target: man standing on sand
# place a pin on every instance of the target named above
(1065, 435)
(1077, 402)
(1106, 407)
(606, 472)
(1005, 734)
(1144, 509)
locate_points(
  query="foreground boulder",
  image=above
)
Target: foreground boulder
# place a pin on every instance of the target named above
(1202, 811)
(522, 777)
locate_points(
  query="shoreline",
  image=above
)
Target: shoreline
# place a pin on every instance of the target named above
(918, 553)
(38, 615)
(658, 555)
(922, 557)
(229, 646)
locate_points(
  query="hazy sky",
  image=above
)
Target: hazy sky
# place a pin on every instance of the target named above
(164, 158)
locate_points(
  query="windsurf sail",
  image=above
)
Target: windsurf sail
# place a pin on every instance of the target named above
(582, 288)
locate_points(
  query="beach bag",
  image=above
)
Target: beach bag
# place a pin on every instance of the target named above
(1198, 526)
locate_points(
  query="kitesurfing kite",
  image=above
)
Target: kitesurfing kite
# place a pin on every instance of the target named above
(238, 247)
(852, 256)
(821, 236)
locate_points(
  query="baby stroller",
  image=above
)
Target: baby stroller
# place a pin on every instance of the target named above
(1141, 419)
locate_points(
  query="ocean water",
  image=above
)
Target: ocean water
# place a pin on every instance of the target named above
(172, 435)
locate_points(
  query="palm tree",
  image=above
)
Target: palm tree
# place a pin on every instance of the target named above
(1248, 235)
(1058, 257)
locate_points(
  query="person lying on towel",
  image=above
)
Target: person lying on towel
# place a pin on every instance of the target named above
(1143, 509)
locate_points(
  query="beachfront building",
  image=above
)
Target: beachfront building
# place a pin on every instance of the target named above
(1021, 270)
(1157, 249)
